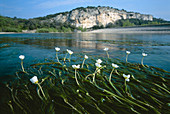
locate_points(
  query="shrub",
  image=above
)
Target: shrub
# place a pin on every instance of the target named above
(43, 30)
(46, 30)
(9, 29)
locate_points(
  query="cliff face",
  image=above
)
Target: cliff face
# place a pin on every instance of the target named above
(89, 17)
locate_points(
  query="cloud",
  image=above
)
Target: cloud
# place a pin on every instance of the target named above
(53, 3)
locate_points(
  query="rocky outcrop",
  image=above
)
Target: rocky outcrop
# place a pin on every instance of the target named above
(91, 16)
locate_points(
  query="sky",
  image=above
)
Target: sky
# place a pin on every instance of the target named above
(38, 8)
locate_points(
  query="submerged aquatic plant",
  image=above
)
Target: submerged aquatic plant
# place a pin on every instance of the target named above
(126, 80)
(22, 58)
(114, 66)
(69, 88)
(85, 57)
(34, 80)
(106, 49)
(144, 55)
(110, 78)
(76, 67)
(127, 53)
(70, 52)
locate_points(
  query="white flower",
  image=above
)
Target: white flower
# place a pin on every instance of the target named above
(34, 80)
(76, 66)
(57, 48)
(126, 77)
(106, 49)
(21, 57)
(99, 61)
(144, 54)
(70, 52)
(86, 57)
(127, 52)
(114, 65)
(98, 65)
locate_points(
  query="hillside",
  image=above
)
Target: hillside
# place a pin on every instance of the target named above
(79, 19)
(96, 16)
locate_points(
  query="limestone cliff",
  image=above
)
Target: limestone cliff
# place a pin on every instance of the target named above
(91, 16)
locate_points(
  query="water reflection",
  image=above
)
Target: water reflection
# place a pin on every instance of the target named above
(40, 46)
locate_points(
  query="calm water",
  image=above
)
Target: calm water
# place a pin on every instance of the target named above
(40, 46)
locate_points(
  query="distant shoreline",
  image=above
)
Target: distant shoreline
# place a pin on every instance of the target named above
(8, 32)
(159, 30)
(130, 30)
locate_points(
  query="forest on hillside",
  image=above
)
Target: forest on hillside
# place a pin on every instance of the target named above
(8, 24)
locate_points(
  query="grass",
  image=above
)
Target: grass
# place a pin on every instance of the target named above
(146, 92)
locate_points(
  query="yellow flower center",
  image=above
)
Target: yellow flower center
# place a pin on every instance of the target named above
(36, 82)
(125, 77)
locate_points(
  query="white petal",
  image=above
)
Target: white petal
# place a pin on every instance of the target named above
(76, 66)
(73, 66)
(22, 57)
(144, 54)
(86, 57)
(128, 80)
(98, 65)
(57, 48)
(124, 75)
(127, 52)
(106, 49)
(99, 61)
(114, 65)
(70, 52)
(128, 76)
(34, 79)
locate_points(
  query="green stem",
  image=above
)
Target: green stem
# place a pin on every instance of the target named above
(42, 91)
(13, 98)
(76, 77)
(116, 72)
(95, 72)
(10, 105)
(126, 58)
(38, 92)
(162, 88)
(111, 75)
(69, 58)
(83, 63)
(65, 100)
(125, 87)
(112, 84)
(57, 57)
(125, 99)
(22, 65)
(142, 61)
(94, 75)
(88, 76)
(65, 57)
(107, 54)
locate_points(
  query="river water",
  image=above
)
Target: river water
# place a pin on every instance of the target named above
(37, 47)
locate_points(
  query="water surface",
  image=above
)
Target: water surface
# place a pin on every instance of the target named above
(37, 47)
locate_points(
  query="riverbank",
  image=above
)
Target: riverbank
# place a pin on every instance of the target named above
(140, 30)
(8, 32)
(160, 30)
